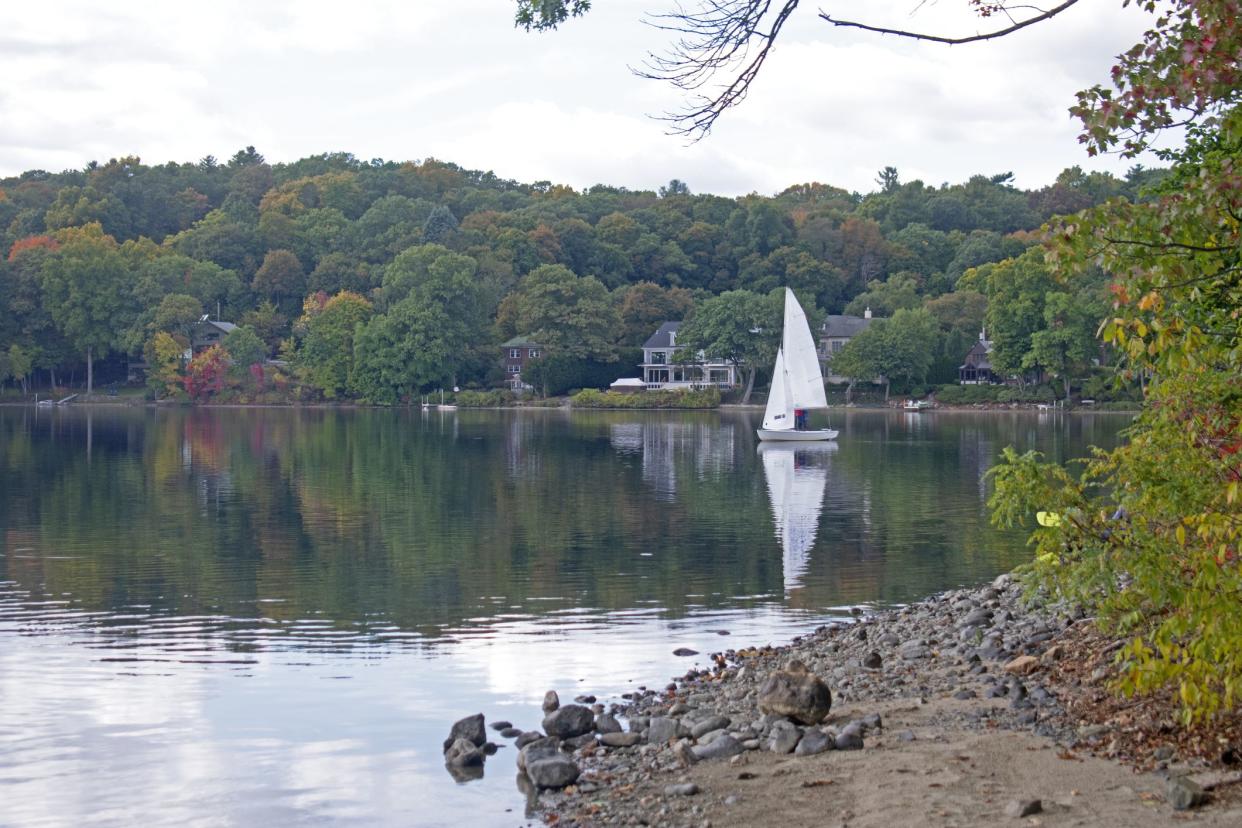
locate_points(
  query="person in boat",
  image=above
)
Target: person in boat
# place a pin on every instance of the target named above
(800, 419)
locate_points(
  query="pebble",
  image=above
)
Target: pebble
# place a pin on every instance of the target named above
(682, 789)
(1183, 793)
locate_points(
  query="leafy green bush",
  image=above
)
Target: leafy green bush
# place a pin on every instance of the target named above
(591, 398)
(496, 398)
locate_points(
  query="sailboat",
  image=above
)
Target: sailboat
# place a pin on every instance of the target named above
(797, 478)
(796, 380)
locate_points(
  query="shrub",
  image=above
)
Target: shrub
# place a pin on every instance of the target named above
(704, 398)
(483, 399)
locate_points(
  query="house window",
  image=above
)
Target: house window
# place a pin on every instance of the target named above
(657, 357)
(514, 369)
(533, 353)
(837, 345)
(515, 353)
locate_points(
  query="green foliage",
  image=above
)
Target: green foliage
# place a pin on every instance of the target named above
(1166, 573)
(555, 373)
(591, 398)
(567, 314)
(985, 394)
(245, 347)
(894, 349)
(483, 399)
(738, 326)
(163, 355)
(324, 356)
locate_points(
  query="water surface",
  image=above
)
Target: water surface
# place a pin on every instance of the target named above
(234, 617)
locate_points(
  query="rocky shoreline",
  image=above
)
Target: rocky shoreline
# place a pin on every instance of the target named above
(964, 685)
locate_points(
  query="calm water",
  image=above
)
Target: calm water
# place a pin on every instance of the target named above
(228, 617)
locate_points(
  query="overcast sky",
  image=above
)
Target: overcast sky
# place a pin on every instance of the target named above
(82, 80)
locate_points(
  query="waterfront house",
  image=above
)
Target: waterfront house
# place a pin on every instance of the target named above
(976, 368)
(517, 353)
(663, 369)
(837, 330)
(208, 332)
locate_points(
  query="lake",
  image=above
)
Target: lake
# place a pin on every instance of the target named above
(241, 616)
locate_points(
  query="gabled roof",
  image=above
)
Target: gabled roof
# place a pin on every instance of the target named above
(216, 323)
(663, 337)
(520, 342)
(845, 326)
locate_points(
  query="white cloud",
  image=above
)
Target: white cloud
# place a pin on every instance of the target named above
(399, 80)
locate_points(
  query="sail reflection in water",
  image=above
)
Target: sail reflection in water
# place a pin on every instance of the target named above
(797, 476)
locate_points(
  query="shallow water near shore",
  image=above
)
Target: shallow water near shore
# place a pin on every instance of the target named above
(236, 617)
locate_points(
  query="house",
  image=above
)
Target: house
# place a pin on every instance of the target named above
(517, 353)
(834, 333)
(661, 370)
(208, 332)
(977, 367)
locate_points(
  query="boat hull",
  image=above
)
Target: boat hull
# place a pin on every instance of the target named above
(793, 435)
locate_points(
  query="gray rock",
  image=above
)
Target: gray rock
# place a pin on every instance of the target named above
(797, 693)
(500, 725)
(470, 728)
(620, 739)
(684, 752)
(538, 749)
(683, 789)
(1163, 754)
(850, 738)
(963, 695)
(463, 753)
(711, 736)
(708, 725)
(569, 721)
(661, 730)
(552, 772)
(604, 723)
(978, 618)
(872, 661)
(722, 748)
(527, 738)
(551, 701)
(890, 639)
(814, 741)
(905, 735)
(575, 742)
(1184, 794)
(511, 732)
(783, 737)
(1019, 808)
(914, 651)
(685, 651)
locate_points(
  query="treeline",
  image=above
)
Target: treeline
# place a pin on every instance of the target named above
(380, 280)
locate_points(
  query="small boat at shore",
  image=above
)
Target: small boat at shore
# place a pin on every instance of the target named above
(918, 405)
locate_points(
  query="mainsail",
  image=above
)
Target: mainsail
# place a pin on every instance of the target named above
(805, 382)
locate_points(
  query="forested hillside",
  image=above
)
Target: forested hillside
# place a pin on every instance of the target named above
(379, 280)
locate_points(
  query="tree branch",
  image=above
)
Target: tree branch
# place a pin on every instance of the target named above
(953, 41)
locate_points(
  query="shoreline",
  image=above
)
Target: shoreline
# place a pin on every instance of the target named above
(565, 406)
(968, 707)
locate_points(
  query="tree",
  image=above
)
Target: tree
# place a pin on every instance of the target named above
(898, 348)
(739, 326)
(1067, 341)
(204, 376)
(886, 298)
(1016, 291)
(440, 225)
(163, 355)
(1150, 532)
(244, 347)
(646, 306)
(84, 286)
(325, 352)
(567, 314)
(20, 363)
(280, 278)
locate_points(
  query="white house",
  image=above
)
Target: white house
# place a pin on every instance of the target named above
(661, 370)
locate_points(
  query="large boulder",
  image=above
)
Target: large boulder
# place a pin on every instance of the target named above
(796, 692)
(536, 750)
(569, 721)
(470, 728)
(551, 701)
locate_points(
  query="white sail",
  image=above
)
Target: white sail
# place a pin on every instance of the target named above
(796, 489)
(778, 416)
(803, 377)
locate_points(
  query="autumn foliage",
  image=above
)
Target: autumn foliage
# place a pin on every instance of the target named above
(205, 374)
